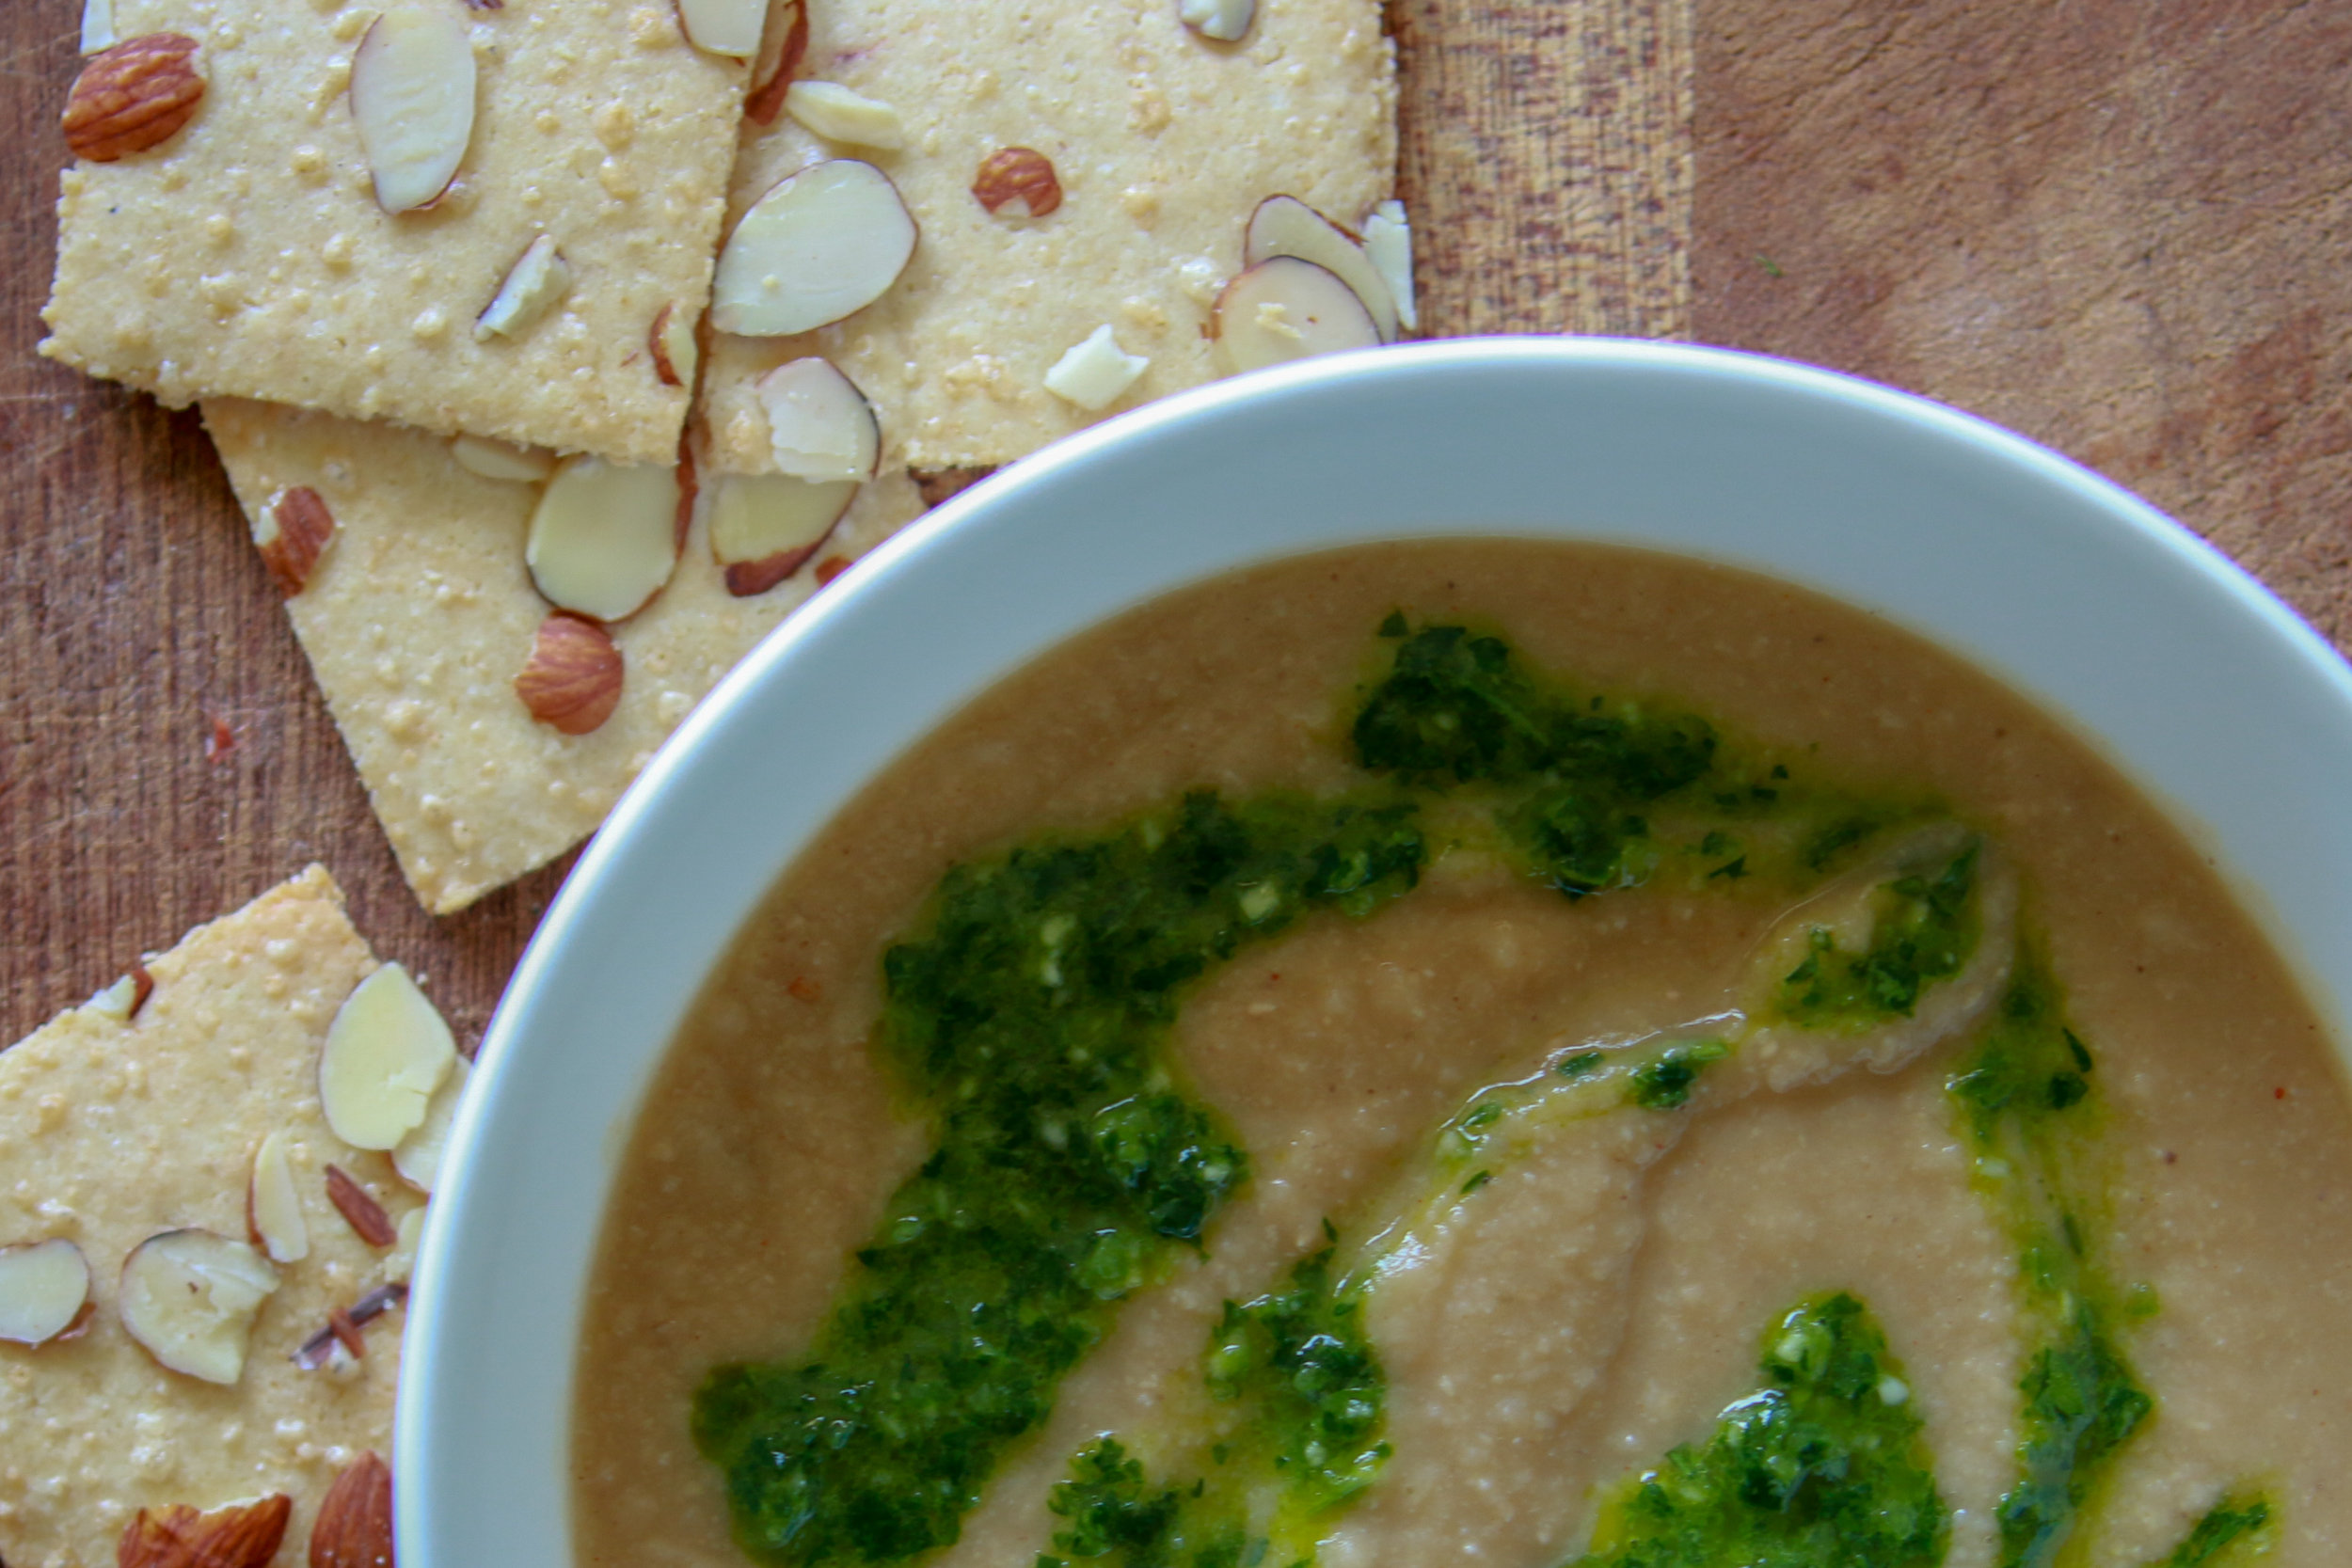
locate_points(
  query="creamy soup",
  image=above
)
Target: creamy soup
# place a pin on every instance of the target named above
(1488, 1052)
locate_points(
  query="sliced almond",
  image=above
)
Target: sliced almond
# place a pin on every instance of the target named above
(98, 26)
(837, 114)
(399, 1262)
(354, 1528)
(604, 537)
(386, 1052)
(671, 341)
(1286, 308)
(502, 460)
(1285, 225)
(1226, 21)
(341, 1340)
(1018, 182)
(359, 1209)
(939, 484)
(273, 1205)
(538, 278)
(786, 43)
(43, 1288)
(822, 245)
(729, 27)
(1389, 245)
(1096, 372)
(765, 527)
(819, 425)
(573, 679)
(190, 1296)
(419, 1157)
(291, 530)
(412, 96)
(122, 1000)
(241, 1535)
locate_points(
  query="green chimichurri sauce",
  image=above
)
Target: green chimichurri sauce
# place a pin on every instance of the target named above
(1925, 937)
(1588, 792)
(1027, 1020)
(1300, 1393)
(1822, 1467)
(2026, 1094)
(2233, 1522)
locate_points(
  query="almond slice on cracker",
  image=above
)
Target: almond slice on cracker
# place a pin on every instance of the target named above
(343, 208)
(420, 619)
(136, 1142)
(1138, 159)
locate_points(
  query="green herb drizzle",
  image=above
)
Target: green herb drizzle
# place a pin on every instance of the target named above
(2026, 1095)
(1068, 1165)
(1590, 793)
(1823, 1467)
(2233, 1521)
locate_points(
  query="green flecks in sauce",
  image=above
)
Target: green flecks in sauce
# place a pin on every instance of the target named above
(1664, 1082)
(1925, 932)
(2234, 1528)
(1824, 1466)
(1591, 793)
(1113, 1516)
(1300, 1372)
(1298, 1396)
(2026, 1096)
(1027, 1020)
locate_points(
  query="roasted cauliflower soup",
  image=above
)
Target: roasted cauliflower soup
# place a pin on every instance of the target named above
(1486, 1053)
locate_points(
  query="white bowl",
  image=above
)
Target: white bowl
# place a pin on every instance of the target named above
(2207, 691)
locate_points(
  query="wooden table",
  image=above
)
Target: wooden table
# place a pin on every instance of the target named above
(2120, 227)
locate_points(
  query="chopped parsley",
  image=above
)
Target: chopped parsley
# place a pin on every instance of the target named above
(2228, 1523)
(2025, 1094)
(1589, 793)
(1577, 1065)
(1117, 1518)
(1825, 1466)
(1664, 1082)
(1300, 1368)
(1926, 936)
(1027, 1017)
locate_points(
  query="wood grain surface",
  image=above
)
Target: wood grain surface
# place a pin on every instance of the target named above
(2110, 224)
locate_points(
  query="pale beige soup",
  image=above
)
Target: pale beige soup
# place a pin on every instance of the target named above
(769, 1144)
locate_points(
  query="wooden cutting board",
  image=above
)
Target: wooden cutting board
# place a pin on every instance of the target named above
(2117, 227)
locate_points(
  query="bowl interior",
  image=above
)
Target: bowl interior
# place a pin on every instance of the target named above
(2209, 693)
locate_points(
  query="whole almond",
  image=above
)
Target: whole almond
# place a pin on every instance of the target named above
(242, 1535)
(354, 1528)
(573, 679)
(132, 97)
(1018, 174)
(292, 533)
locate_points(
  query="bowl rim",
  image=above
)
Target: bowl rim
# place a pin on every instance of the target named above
(458, 1401)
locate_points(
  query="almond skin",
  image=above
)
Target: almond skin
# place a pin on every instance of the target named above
(768, 97)
(359, 1206)
(134, 96)
(292, 533)
(1018, 174)
(937, 485)
(354, 1522)
(750, 578)
(242, 1535)
(573, 680)
(662, 369)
